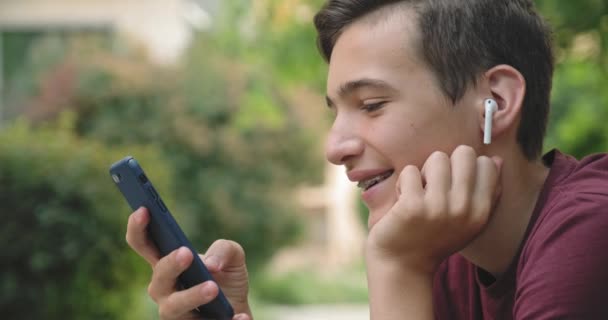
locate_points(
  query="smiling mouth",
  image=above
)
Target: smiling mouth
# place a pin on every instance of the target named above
(367, 184)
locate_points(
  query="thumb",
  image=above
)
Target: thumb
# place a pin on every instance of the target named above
(241, 316)
(224, 253)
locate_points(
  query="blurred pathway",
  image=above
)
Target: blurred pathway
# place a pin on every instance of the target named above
(320, 312)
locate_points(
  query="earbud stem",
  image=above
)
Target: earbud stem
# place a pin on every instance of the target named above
(490, 108)
(487, 132)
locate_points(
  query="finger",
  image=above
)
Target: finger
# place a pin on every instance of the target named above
(224, 254)
(464, 163)
(241, 316)
(410, 182)
(137, 236)
(410, 203)
(182, 302)
(166, 272)
(485, 185)
(438, 176)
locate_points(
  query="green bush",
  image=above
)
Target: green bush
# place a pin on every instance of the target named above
(64, 254)
(233, 147)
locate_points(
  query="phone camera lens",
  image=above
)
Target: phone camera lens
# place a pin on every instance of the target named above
(116, 178)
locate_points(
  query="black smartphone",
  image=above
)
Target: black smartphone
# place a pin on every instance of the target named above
(163, 230)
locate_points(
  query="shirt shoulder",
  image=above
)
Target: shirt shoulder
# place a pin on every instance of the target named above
(562, 268)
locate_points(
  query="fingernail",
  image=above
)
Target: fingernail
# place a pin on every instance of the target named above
(240, 317)
(212, 262)
(182, 256)
(139, 214)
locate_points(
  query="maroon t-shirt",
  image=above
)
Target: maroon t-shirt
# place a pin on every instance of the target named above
(561, 269)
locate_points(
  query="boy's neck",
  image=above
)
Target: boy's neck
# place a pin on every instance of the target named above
(498, 244)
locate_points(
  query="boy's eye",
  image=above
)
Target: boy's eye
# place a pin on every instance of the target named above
(370, 107)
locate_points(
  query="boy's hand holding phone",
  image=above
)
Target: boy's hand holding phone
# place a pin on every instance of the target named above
(156, 236)
(224, 259)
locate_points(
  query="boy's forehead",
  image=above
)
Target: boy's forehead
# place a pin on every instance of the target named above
(373, 49)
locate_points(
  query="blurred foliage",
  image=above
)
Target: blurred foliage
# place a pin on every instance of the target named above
(64, 224)
(579, 102)
(580, 109)
(310, 286)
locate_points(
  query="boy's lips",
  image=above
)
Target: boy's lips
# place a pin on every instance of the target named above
(366, 174)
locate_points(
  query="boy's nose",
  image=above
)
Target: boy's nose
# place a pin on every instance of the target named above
(342, 146)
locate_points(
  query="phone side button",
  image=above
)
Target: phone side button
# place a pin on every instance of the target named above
(161, 204)
(152, 192)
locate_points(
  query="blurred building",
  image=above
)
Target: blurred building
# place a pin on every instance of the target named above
(337, 233)
(162, 27)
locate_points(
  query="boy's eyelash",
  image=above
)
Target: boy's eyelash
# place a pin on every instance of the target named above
(373, 106)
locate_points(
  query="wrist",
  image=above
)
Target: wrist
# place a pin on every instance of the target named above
(398, 271)
(397, 289)
(410, 263)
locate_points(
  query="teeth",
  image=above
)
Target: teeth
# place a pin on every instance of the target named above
(366, 184)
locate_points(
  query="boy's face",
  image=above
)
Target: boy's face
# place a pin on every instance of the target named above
(390, 112)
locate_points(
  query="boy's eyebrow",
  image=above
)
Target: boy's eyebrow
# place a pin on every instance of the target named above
(351, 86)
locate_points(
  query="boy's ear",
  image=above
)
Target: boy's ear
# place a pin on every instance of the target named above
(508, 88)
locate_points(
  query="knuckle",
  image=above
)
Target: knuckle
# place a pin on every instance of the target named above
(151, 291)
(465, 151)
(171, 259)
(436, 206)
(461, 206)
(161, 265)
(413, 206)
(410, 213)
(438, 156)
(436, 159)
(484, 160)
(409, 169)
(165, 311)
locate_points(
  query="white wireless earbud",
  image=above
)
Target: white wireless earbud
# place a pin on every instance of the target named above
(491, 107)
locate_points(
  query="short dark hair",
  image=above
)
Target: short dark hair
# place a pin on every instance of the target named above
(461, 39)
